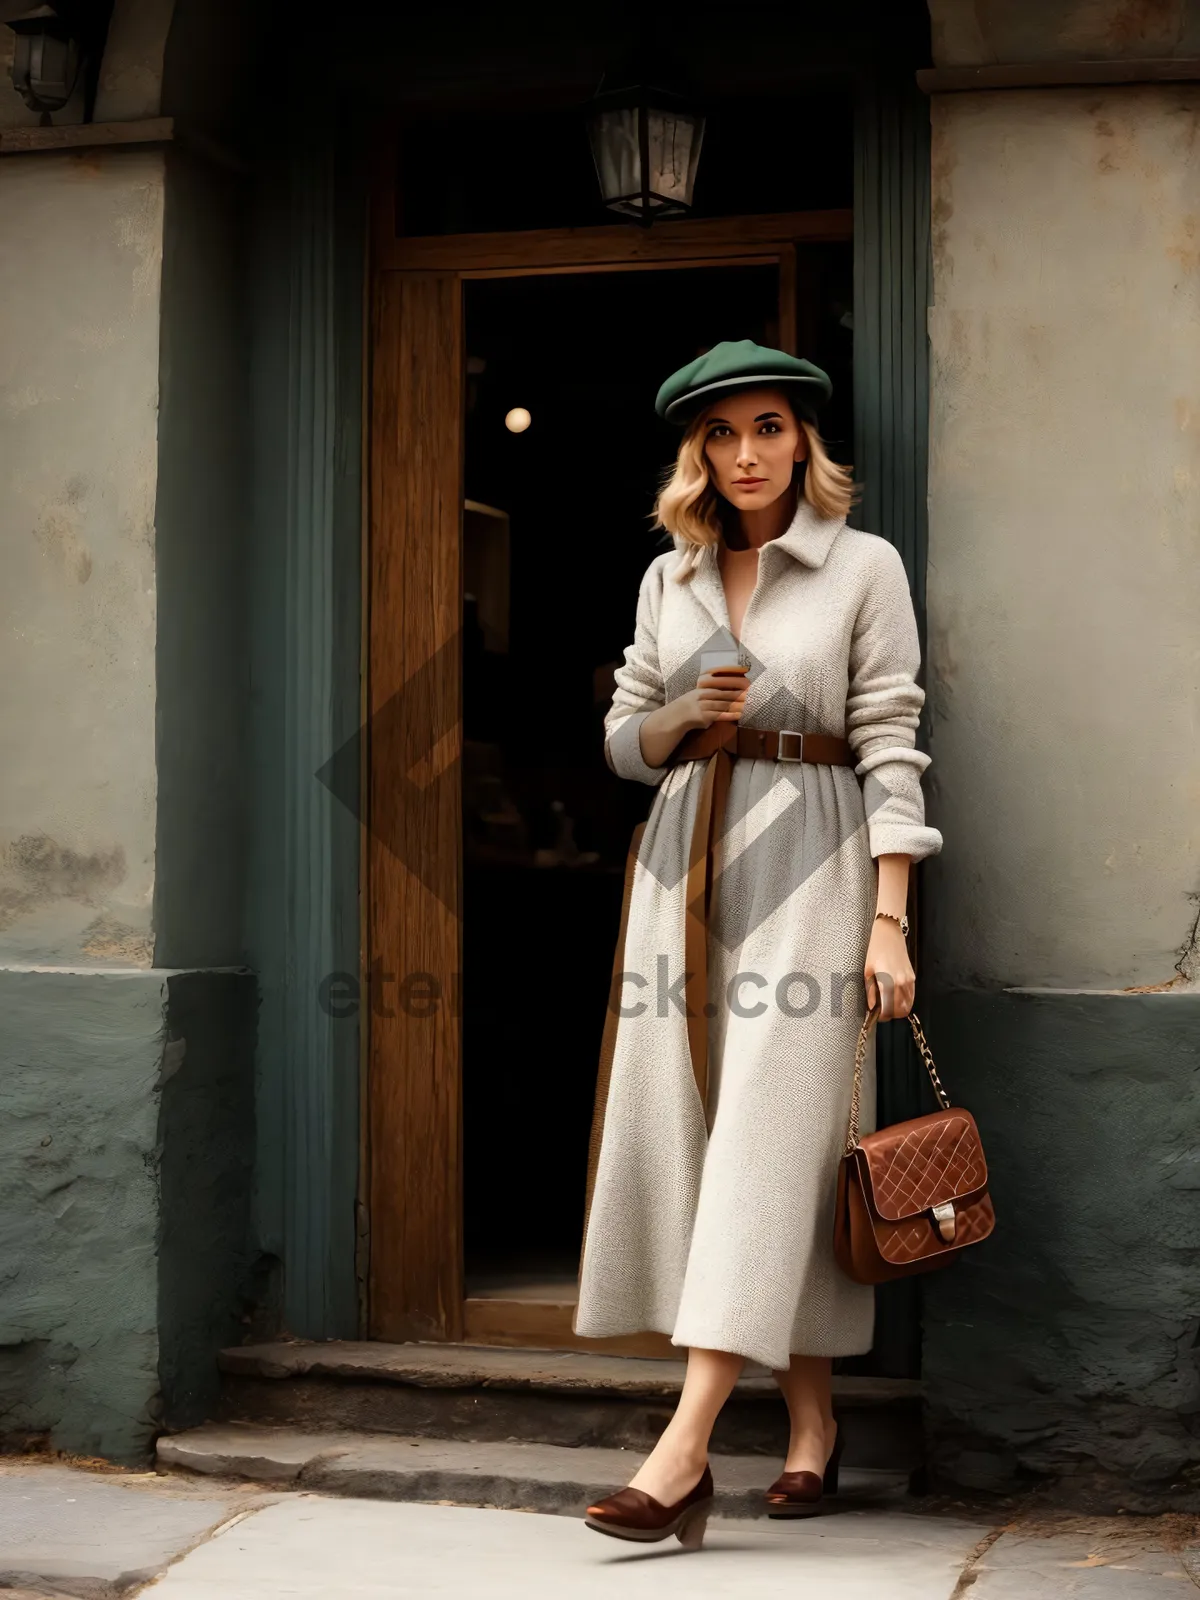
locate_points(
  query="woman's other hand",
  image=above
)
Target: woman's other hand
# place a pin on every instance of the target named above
(890, 979)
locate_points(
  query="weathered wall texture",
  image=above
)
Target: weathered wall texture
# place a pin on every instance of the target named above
(1065, 1348)
(969, 33)
(126, 1157)
(1064, 682)
(209, 1283)
(79, 330)
(80, 1058)
(1064, 547)
(130, 77)
(126, 1149)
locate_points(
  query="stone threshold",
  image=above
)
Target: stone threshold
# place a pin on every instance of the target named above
(458, 1366)
(508, 1475)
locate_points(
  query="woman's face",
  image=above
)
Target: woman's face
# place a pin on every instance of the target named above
(752, 442)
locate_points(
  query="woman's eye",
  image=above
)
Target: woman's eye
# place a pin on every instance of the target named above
(770, 427)
(719, 432)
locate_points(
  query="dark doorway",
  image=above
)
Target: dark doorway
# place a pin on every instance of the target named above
(557, 534)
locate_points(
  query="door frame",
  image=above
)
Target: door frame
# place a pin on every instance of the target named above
(412, 1114)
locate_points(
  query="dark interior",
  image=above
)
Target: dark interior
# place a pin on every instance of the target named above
(546, 825)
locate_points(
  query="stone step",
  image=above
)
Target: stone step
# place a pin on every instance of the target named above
(510, 1475)
(567, 1398)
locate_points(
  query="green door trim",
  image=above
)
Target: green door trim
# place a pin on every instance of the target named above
(302, 913)
(892, 280)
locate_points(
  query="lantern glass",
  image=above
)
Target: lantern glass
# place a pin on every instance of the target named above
(45, 64)
(671, 139)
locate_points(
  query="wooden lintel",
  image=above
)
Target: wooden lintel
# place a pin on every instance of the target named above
(86, 135)
(700, 238)
(1057, 74)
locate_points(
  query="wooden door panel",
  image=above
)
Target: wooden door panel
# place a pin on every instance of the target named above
(415, 735)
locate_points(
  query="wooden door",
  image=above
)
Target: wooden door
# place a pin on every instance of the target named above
(414, 698)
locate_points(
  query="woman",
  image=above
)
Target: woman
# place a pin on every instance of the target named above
(770, 881)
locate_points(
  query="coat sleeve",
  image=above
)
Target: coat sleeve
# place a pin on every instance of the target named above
(883, 707)
(640, 688)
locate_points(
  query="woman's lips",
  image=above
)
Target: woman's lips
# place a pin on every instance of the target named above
(749, 483)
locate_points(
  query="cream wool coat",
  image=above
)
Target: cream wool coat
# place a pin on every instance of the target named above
(722, 1238)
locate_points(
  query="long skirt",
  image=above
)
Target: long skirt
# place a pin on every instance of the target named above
(713, 1223)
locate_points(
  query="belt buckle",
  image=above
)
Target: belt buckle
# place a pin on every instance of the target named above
(790, 733)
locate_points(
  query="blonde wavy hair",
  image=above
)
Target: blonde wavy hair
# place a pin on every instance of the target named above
(690, 507)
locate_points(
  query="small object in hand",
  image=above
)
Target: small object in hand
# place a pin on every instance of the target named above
(720, 660)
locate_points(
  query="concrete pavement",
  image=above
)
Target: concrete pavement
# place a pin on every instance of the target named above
(1103, 1562)
(306, 1547)
(100, 1536)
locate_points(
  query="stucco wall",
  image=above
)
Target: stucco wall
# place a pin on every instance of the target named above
(126, 1157)
(1065, 1347)
(1064, 545)
(126, 1150)
(1064, 691)
(976, 32)
(79, 332)
(130, 78)
(79, 1211)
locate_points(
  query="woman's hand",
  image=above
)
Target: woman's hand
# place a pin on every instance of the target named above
(891, 981)
(717, 697)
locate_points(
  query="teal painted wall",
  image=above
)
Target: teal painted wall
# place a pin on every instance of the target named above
(213, 1287)
(1065, 1348)
(80, 1056)
(125, 1164)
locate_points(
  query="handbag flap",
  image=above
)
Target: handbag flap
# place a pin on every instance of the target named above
(911, 1166)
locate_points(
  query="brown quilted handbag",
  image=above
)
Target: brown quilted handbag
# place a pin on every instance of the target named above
(913, 1196)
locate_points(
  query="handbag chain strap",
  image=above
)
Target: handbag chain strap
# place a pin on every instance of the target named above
(860, 1056)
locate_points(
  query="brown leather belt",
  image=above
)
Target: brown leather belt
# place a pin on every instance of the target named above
(727, 741)
(763, 744)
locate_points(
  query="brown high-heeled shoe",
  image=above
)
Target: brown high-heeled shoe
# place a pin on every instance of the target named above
(800, 1494)
(634, 1514)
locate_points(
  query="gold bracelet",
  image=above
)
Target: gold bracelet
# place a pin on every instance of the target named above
(902, 921)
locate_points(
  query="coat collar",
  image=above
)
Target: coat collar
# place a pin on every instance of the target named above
(808, 539)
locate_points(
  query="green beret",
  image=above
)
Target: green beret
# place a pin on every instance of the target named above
(740, 364)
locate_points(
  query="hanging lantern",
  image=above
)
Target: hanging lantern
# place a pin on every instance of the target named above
(646, 145)
(45, 62)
